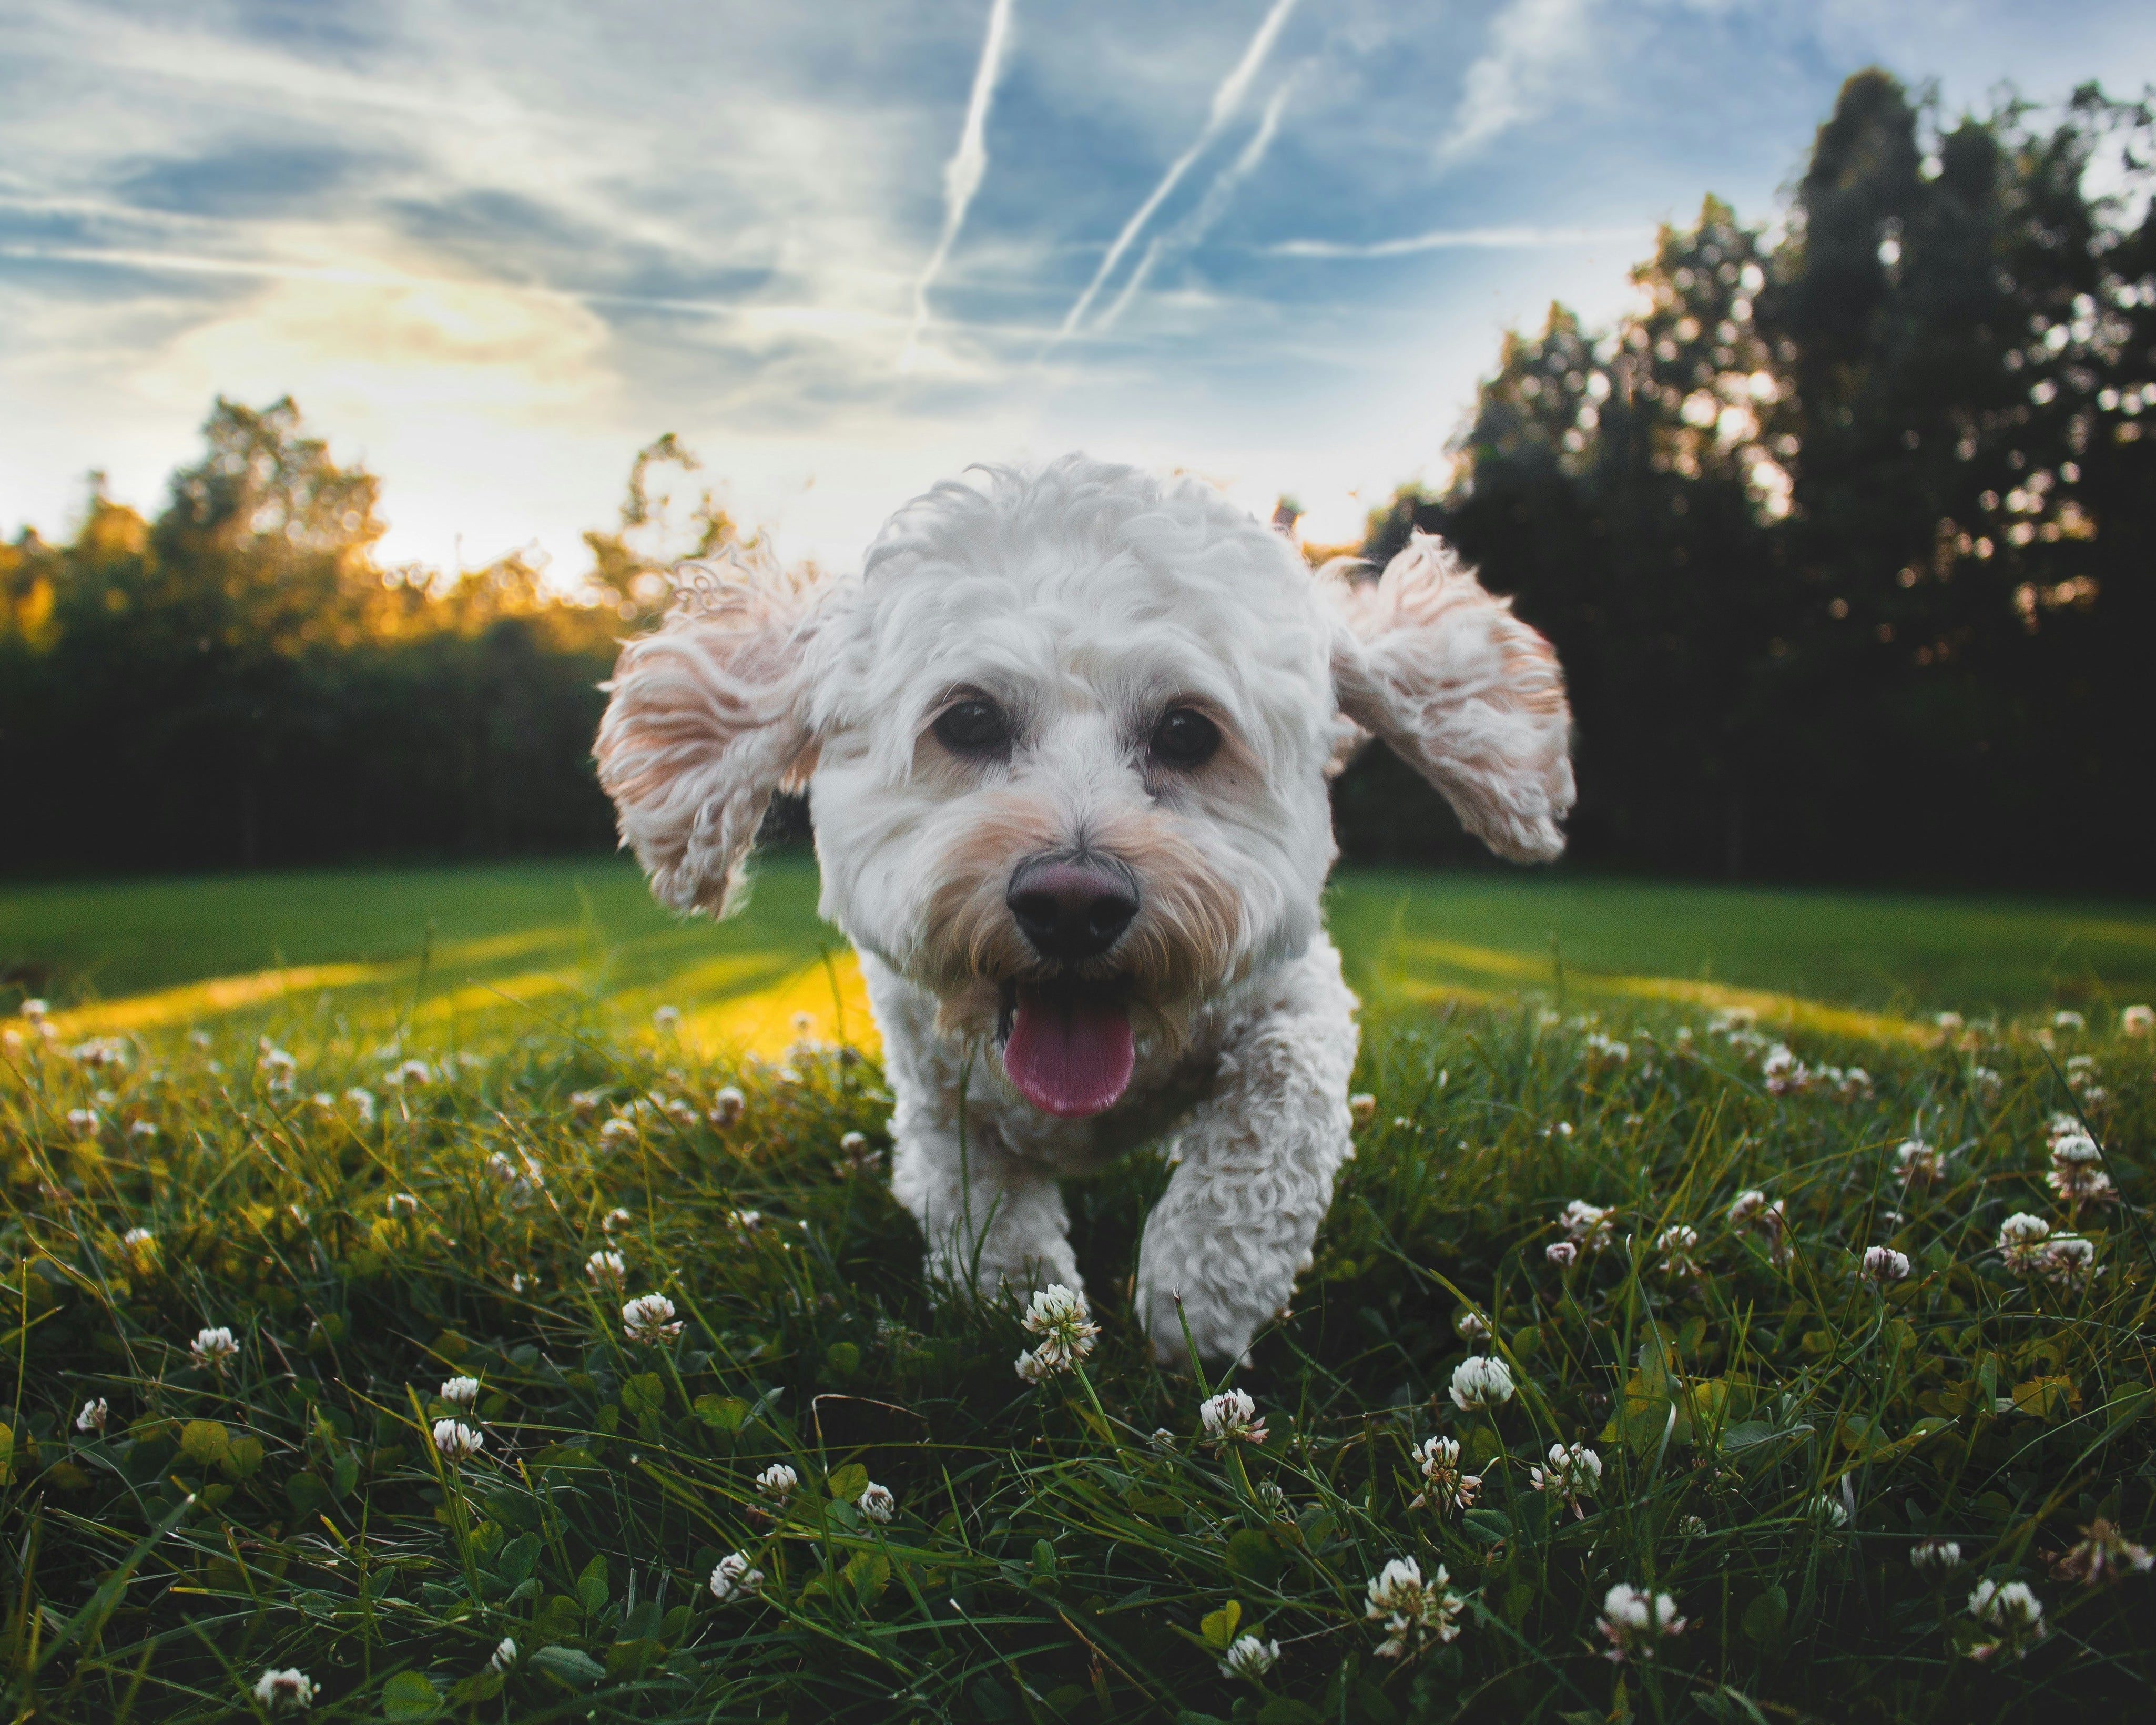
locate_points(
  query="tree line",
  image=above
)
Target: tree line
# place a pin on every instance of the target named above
(239, 683)
(1844, 534)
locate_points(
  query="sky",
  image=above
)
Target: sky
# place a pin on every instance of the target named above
(843, 251)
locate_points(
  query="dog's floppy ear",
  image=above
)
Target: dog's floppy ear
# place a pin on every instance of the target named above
(1463, 691)
(708, 717)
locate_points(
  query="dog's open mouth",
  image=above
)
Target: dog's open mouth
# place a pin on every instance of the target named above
(1067, 1043)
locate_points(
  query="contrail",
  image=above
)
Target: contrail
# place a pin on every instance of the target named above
(1447, 240)
(1211, 208)
(963, 171)
(1226, 100)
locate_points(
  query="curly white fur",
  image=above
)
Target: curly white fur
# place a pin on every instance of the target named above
(1083, 600)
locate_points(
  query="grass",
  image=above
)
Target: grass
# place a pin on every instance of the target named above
(1775, 1431)
(1403, 932)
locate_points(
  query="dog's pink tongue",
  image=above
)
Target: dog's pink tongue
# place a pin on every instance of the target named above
(1070, 1052)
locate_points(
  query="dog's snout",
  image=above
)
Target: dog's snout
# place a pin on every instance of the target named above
(1072, 911)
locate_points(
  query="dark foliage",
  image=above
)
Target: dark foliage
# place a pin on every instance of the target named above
(1844, 537)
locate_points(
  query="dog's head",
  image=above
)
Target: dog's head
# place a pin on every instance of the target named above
(1067, 738)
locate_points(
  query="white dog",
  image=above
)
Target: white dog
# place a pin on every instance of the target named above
(1066, 739)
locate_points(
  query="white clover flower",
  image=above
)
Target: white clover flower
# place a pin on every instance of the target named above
(1163, 1442)
(99, 1052)
(1032, 1368)
(93, 1416)
(1362, 1108)
(682, 1114)
(1783, 1071)
(2068, 1261)
(2103, 1555)
(614, 1218)
(1949, 1021)
(618, 1131)
(1883, 1264)
(284, 1689)
(876, 1502)
(460, 1391)
(400, 1203)
(1606, 1050)
(1830, 1512)
(34, 1009)
(2068, 1021)
(362, 1103)
(416, 1074)
(649, 1317)
(1676, 1244)
(1693, 1527)
(2022, 1238)
(1935, 1557)
(1916, 1160)
(585, 1103)
(1984, 1082)
(1231, 1417)
(143, 1131)
(83, 1122)
(516, 1182)
(1250, 1657)
(666, 1020)
(2076, 1174)
(744, 1221)
(778, 1482)
(727, 1106)
(734, 1579)
(2137, 1020)
(2012, 1610)
(1413, 1611)
(1588, 1226)
(1470, 1325)
(1444, 1487)
(1574, 1472)
(606, 1270)
(503, 1655)
(138, 1240)
(1561, 1252)
(213, 1346)
(1481, 1383)
(454, 1439)
(1633, 1621)
(1854, 1083)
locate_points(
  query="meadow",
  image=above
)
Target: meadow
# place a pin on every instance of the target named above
(1703, 1330)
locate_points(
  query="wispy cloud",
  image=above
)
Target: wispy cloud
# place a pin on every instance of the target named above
(1456, 238)
(1531, 42)
(1200, 222)
(963, 172)
(1226, 99)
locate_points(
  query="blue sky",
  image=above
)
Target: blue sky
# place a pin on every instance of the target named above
(845, 250)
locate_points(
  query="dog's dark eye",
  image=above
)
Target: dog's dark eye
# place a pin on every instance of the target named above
(973, 727)
(1185, 738)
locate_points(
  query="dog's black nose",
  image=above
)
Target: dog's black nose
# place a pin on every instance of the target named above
(1072, 911)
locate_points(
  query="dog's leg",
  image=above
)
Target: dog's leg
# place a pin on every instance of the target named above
(989, 1218)
(1255, 1172)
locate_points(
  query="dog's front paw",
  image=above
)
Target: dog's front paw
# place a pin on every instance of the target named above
(1177, 1321)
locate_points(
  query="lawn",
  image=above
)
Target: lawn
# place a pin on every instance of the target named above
(1848, 1371)
(1416, 935)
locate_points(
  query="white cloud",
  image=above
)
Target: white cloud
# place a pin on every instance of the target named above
(1532, 42)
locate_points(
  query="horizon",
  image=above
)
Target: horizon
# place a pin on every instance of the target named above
(490, 258)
